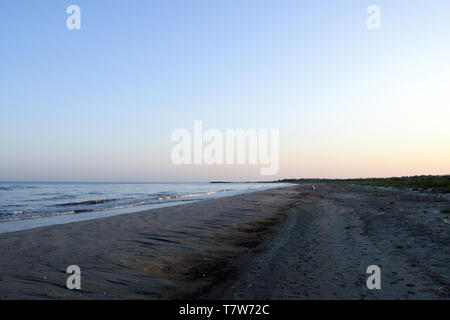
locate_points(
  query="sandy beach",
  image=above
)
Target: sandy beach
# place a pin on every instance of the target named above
(166, 253)
(287, 243)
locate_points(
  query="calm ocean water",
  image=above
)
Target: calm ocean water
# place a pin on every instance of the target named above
(27, 201)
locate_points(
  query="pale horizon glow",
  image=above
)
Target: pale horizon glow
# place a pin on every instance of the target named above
(101, 103)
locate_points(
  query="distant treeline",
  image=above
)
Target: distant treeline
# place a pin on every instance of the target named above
(419, 183)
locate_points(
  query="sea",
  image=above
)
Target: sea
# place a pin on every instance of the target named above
(35, 204)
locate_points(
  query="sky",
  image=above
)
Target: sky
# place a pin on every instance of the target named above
(101, 103)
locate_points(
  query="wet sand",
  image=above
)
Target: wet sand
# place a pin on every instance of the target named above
(288, 243)
(174, 252)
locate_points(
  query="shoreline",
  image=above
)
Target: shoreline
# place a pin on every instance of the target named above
(166, 253)
(287, 243)
(72, 217)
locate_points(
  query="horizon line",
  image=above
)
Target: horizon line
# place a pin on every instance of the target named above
(224, 181)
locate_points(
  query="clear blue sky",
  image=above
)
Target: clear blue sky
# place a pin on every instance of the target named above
(100, 103)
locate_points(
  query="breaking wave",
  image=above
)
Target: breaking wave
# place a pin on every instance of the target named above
(89, 202)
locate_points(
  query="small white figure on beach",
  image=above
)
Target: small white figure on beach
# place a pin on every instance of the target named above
(313, 188)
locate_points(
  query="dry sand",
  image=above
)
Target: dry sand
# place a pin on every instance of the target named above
(335, 233)
(288, 243)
